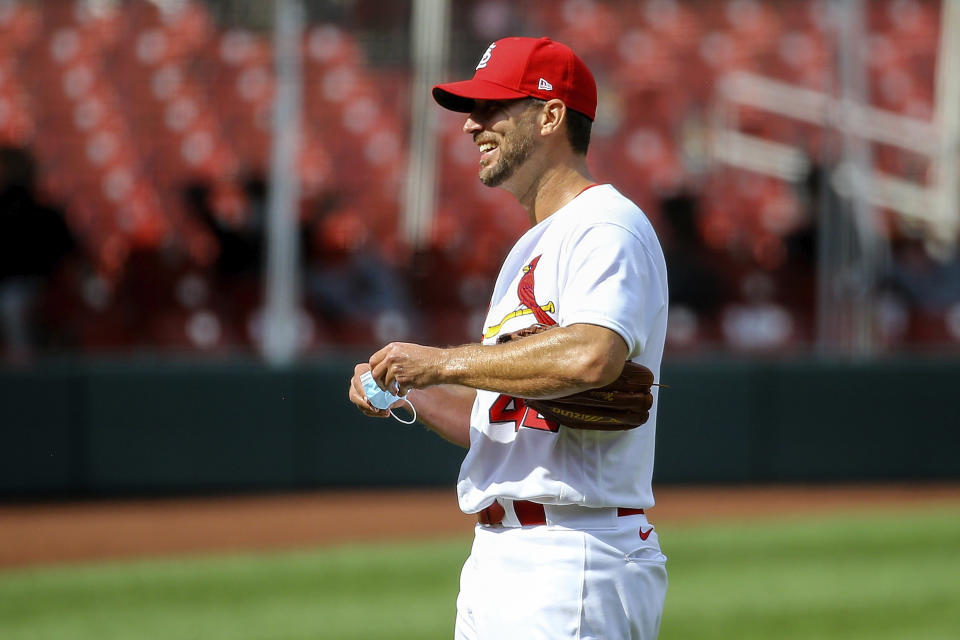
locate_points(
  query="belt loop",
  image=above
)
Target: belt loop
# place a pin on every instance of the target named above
(509, 513)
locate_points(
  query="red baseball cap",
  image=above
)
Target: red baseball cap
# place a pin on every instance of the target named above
(520, 68)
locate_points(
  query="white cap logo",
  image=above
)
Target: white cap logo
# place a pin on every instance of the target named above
(485, 58)
(544, 85)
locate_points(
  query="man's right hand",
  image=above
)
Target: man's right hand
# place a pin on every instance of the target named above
(359, 398)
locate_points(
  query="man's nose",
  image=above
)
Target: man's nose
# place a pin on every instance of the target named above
(471, 125)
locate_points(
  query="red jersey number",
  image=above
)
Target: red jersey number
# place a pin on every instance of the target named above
(510, 409)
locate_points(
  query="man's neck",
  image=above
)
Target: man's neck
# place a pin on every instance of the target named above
(553, 188)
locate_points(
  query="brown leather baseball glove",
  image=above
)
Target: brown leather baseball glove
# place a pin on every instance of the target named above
(623, 404)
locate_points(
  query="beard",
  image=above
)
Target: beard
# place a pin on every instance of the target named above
(515, 149)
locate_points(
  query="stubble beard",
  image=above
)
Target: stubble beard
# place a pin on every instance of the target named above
(515, 150)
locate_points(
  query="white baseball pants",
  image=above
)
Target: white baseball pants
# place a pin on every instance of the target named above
(599, 577)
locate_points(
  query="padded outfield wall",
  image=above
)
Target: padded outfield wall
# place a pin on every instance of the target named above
(148, 427)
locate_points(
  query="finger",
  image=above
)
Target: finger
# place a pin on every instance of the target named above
(356, 394)
(355, 384)
(361, 368)
(379, 366)
(378, 356)
(391, 371)
(360, 400)
(359, 397)
(373, 412)
(392, 379)
(403, 385)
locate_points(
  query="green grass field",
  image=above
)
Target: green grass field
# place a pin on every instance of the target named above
(846, 576)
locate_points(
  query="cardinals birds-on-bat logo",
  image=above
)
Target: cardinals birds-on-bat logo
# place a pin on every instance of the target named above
(528, 300)
(527, 297)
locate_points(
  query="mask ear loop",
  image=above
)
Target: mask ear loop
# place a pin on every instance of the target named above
(412, 408)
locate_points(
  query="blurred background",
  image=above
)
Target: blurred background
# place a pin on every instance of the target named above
(798, 160)
(209, 210)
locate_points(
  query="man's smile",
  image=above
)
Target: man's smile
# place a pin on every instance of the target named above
(488, 152)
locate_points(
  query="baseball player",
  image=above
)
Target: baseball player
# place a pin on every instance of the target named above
(562, 548)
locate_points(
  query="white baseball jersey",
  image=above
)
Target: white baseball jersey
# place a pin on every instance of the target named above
(597, 260)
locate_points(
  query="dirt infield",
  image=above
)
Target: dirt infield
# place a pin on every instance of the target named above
(50, 534)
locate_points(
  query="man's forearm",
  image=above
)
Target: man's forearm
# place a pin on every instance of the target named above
(551, 364)
(445, 410)
(548, 365)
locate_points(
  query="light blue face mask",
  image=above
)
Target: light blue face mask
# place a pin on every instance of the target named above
(382, 399)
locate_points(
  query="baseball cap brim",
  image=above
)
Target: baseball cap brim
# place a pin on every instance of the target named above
(462, 96)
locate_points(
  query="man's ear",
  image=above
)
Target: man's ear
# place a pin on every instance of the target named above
(553, 113)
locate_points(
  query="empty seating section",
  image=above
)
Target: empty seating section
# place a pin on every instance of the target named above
(126, 105)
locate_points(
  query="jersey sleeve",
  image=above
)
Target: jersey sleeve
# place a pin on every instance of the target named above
(613, 279)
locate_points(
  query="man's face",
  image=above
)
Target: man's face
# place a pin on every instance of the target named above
(505, 134)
